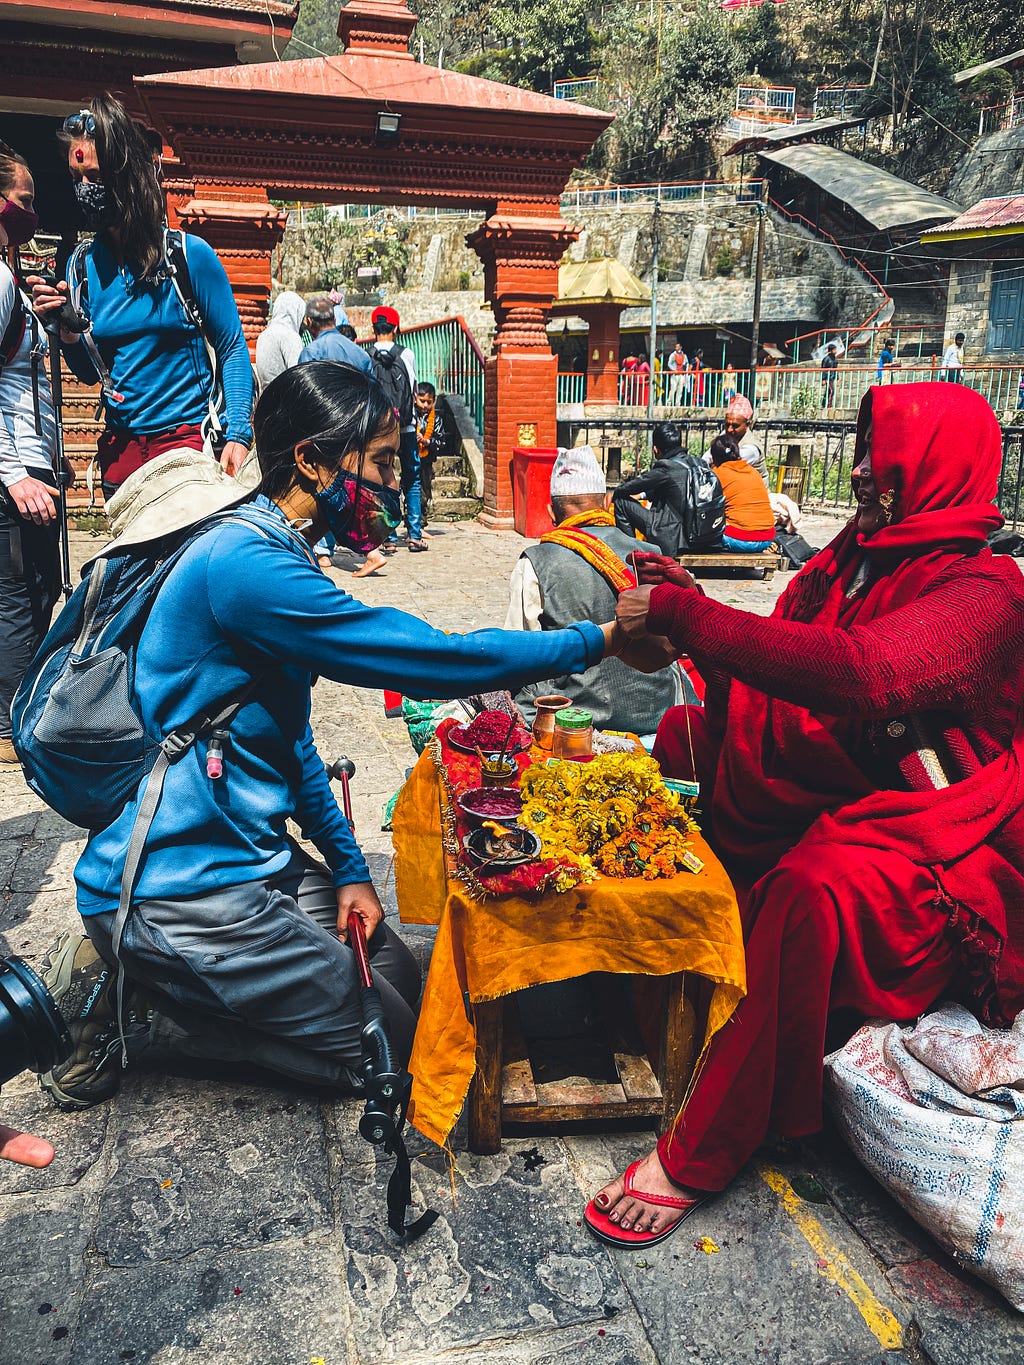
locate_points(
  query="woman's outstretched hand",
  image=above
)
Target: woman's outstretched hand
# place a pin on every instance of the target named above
(655, 569)
(631, 612)
(363, 899)
(650, 654)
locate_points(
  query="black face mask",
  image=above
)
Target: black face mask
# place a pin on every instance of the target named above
(96, 204)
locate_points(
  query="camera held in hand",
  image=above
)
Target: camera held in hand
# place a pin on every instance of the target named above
(33, 1036)
(69, 319)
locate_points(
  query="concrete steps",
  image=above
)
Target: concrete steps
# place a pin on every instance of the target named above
(454, 509)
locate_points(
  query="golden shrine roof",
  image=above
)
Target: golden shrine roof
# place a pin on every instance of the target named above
(605, 281)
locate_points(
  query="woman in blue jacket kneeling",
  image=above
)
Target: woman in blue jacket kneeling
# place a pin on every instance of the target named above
(234, 935)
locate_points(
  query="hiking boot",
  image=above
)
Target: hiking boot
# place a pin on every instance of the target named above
(8, 754)
(84, 990)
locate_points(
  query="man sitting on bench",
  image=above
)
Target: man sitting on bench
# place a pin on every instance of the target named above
(685, 509)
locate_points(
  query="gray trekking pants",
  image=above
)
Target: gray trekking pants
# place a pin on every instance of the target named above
(256, 973)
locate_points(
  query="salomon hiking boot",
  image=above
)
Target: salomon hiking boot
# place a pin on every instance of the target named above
(84, 990)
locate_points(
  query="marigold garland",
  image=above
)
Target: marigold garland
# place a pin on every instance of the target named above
(612, 815)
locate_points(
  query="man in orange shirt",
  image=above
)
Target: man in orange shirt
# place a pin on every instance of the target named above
(749, 520)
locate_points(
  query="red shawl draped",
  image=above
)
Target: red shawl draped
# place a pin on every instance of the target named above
(788, 774)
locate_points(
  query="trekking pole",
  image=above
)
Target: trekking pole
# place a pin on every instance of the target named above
(387, 1094)
(386, 1085)
(70, 320)
(341, 770)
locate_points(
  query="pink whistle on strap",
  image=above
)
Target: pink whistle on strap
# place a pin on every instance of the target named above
(214, 766)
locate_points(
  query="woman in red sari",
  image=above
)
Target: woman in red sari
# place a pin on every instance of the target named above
(862, 763)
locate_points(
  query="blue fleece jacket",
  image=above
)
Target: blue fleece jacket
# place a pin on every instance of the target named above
(331, 345)
(240, 605)
(156, 357)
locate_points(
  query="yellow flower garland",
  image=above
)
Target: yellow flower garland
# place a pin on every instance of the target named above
(612, 815)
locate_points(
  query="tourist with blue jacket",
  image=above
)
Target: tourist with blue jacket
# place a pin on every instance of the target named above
(234, 933)
(160, 391)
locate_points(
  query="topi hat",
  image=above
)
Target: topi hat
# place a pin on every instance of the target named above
(740, 407)
(577, 471)
(176, 490)
(389, 316)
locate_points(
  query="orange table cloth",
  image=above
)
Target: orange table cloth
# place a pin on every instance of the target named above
(490, 948)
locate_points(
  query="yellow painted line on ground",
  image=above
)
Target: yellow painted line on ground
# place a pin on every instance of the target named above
(834, 1264)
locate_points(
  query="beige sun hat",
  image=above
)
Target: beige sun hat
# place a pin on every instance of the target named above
(168, 494)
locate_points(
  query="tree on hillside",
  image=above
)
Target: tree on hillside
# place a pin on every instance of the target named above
(451, 31)
(911, 49)
(765, 45)
(534, 45)
(327, 237)
(316, 30)
(670, 96)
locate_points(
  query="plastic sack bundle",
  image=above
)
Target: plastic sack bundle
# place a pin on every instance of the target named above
(423, 717)
(935, 1111)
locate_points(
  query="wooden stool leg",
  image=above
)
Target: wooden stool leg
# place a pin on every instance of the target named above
(677, 1048)
(485, 1089)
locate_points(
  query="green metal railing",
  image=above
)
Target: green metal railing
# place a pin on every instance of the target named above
(799, 390)
(447, 356)
(571, 388)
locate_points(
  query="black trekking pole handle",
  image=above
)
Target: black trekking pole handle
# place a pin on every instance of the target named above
(52, 329)
(387, 1094)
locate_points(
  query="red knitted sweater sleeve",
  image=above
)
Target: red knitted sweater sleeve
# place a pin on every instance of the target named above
(947, 650)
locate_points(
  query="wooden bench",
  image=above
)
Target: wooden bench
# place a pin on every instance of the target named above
(765, 561)
(505, 1088)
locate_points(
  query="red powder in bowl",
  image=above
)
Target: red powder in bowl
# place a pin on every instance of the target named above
(496, 804)
(490, 731)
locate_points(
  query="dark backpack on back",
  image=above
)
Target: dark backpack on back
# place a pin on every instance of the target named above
(78, 724)
(704, 509)
(389, 369)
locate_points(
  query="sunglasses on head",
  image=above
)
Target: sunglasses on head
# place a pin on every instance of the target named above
(81, 124)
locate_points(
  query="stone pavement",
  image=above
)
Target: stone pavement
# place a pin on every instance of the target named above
(232, 1220)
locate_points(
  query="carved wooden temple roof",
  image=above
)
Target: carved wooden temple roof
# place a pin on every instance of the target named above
(311, 126)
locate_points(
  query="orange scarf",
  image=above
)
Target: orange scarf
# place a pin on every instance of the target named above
(425, 433)
(571, 536)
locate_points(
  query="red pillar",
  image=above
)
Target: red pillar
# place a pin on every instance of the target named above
(602, 353)
(244, 231)
(520, 246)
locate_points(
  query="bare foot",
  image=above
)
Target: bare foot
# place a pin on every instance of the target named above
(630, 1212)
(374, 561)
(325, 561)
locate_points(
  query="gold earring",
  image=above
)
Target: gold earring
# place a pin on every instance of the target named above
(886, 500)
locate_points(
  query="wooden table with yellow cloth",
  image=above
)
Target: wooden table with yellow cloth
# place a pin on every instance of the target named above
(488, 947)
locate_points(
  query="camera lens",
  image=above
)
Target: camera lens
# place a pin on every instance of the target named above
(33, 1036)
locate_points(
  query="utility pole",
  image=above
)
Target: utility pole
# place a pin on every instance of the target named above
(653, 346)
(755, 329)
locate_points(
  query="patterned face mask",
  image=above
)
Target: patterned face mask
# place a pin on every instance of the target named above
(96, 204)
(359, 515)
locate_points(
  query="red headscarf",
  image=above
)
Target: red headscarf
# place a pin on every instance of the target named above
(936, 451)
(787, 776)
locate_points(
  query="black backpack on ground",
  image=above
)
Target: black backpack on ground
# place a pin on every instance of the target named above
(390, 371)
(795, 548)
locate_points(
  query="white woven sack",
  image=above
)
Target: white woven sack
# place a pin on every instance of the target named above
(934, 1111)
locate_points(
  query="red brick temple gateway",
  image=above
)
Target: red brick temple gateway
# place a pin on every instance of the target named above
(374, 125)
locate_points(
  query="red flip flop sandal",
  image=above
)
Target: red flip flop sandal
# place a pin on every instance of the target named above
(601, 1225)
